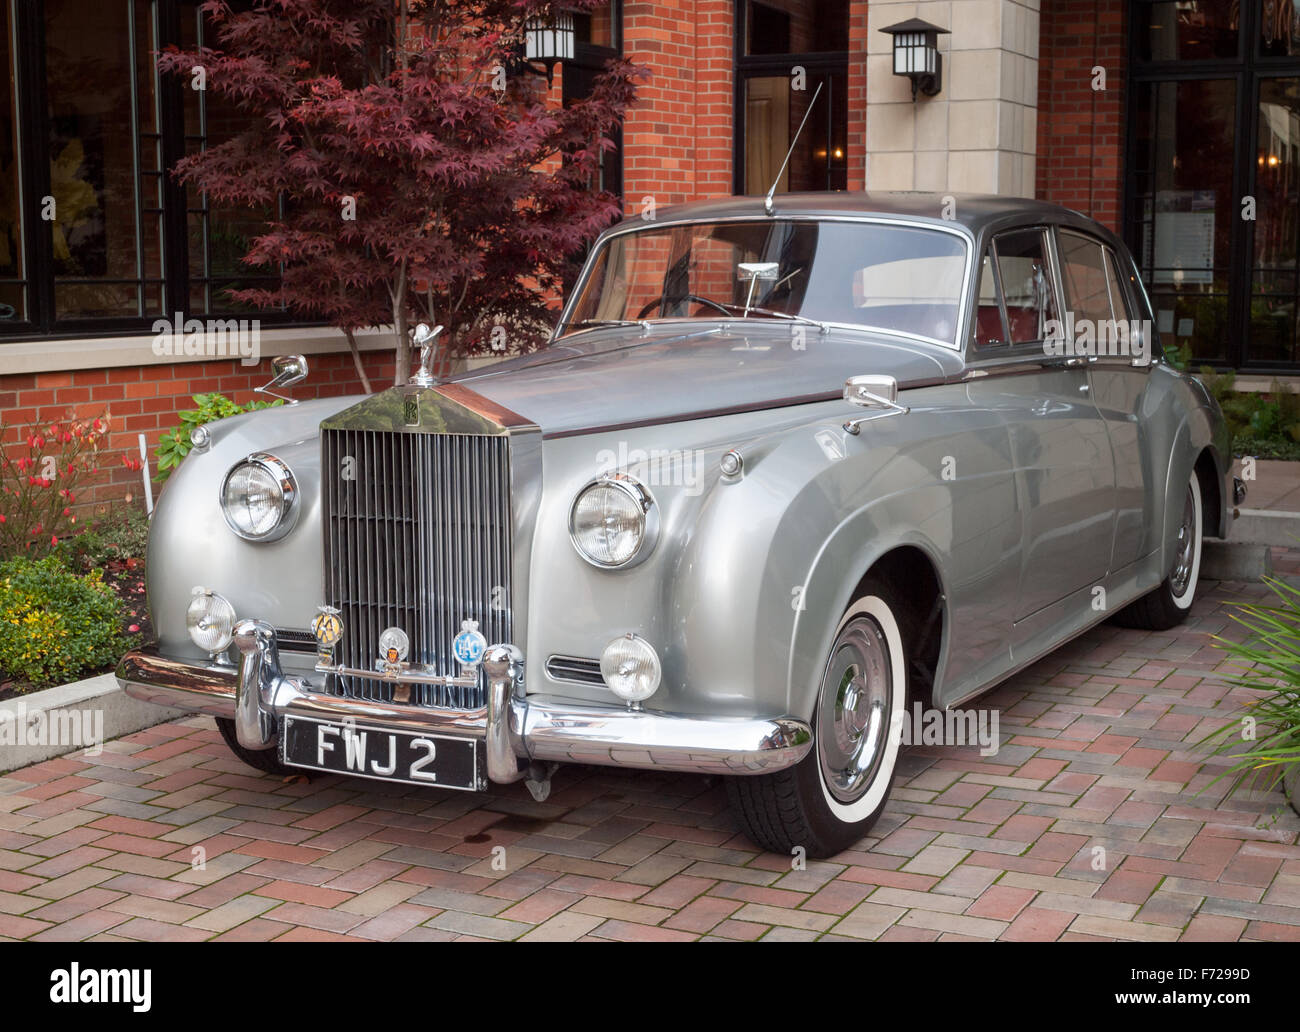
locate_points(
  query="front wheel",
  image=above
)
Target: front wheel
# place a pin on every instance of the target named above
(1169, 604)
(830, 800)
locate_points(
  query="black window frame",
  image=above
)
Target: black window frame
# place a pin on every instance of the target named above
(1247, 70)
(829, 63)
(28, 41)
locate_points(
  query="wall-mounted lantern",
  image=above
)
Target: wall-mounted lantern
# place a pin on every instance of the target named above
(916, 54)
(548, 41)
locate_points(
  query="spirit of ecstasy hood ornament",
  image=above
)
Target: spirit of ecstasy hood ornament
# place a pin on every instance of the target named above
(426, 340)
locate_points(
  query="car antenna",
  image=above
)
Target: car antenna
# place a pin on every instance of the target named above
(767, 201)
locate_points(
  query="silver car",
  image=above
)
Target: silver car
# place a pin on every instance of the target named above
(784, 471)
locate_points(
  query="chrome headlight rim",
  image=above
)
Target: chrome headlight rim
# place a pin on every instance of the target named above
(289, 496)
(647, 509)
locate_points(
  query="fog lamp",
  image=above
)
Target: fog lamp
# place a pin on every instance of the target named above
(630, 667)
(210, 619)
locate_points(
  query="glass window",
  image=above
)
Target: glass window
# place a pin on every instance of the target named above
(1083, 275)
(895, 278)
(107, 238)
(773, 113)
(1279, 29)
(13, 292)
(1187, 30)
(796, 26)
(1026, 284)
(1119, 298)
(990, 320)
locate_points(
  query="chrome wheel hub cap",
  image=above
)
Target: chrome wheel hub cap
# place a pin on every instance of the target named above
(853, 709)
(1185, 547)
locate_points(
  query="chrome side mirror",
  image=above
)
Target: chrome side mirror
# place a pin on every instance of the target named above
(288, 370)
(872, 392)
(426, 340)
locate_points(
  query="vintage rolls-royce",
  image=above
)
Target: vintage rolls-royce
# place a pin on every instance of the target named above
(783, 466)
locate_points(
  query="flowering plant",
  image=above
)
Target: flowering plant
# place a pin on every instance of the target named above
(39, 477)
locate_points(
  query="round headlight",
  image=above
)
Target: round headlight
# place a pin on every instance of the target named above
(210, 619)
(259, 498)
(614, 521)
(630, 667)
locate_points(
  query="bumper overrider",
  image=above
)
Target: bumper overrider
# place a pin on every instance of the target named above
(517, 731)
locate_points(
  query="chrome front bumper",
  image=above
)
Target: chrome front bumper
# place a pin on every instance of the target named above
(516, 730)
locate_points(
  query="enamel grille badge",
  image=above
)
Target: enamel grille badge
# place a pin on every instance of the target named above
(469, 645)
(411, 410)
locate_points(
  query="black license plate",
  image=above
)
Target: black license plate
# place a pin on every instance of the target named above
(413, 757)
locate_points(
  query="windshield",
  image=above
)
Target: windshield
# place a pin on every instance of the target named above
(901, 279)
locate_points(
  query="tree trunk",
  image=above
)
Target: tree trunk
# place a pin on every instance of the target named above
(356, 361)
(402, 367)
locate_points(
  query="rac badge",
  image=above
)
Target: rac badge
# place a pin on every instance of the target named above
(469, 645)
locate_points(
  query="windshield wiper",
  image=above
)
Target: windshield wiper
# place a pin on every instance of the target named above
(773, 313)
(644, 324)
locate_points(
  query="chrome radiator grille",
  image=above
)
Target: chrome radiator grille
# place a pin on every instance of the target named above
(417, 536)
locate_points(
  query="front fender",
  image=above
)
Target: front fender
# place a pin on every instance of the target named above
(191, 546)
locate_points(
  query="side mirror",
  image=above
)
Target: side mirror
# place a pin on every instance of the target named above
(289, 370)
(872, 391)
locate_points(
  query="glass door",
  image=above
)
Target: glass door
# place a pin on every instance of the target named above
(1212, 204)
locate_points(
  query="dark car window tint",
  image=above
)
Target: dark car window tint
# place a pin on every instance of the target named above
(1026, 284)
(1083, 275)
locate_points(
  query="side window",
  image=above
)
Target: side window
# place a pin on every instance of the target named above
(1119, 303)
(1026, 284)
(1084, 277)
(990, 323)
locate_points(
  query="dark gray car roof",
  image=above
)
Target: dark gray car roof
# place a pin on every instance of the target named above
(974, 211)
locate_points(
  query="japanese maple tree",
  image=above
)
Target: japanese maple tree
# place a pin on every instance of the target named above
(419, 171)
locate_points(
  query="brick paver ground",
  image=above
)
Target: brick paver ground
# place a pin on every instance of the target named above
(1087, 824)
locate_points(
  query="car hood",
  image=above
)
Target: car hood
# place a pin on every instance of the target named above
(605, 380)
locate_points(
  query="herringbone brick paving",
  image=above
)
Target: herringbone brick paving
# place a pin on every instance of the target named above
(1087, 824)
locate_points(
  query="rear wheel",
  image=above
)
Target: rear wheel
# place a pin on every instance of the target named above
(830, 800)
(266, 760)
(1169, 604)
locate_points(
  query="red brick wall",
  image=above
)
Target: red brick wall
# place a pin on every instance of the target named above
(857, 88)
(1080, 130)
(145, 399)
(677, 138)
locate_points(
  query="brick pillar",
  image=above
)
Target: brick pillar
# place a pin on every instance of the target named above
(857, 94)
(1080, 129)
(677, 138)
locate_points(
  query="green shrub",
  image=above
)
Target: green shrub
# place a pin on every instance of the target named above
(119, 536)
(175, 444)
(56, 625)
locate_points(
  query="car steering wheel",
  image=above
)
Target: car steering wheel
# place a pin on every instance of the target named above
(645, 310)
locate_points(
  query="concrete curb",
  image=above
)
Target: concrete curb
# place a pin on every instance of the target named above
(1235, 561)
(69, 718)
(1266, 527)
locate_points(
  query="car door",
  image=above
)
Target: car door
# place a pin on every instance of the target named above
(1063, 463)
(1118, 372)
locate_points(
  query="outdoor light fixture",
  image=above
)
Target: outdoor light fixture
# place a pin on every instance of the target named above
(916, 54)
(549, 41)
